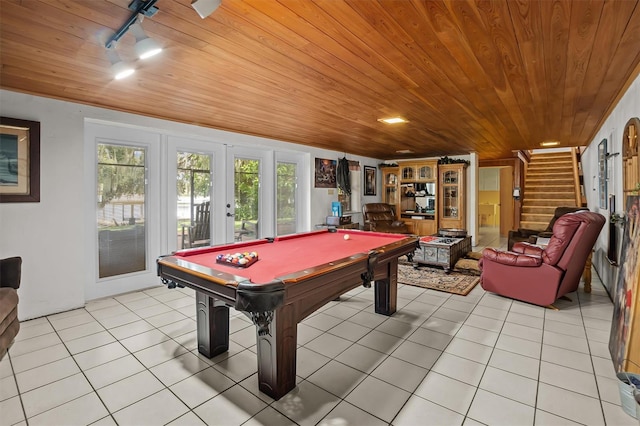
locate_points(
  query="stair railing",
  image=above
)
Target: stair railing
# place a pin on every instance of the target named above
(576, 176)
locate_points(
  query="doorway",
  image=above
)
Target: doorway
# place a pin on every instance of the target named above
(495, 201)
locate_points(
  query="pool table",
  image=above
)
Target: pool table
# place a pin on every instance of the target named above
(293, 277)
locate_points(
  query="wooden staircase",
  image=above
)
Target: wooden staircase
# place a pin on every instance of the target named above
(549, 183)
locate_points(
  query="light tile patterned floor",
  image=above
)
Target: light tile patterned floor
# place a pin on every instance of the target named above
(440, 360)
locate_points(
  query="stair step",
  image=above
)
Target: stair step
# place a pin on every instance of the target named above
(549, 161)
(547, 157)
(551, 155)
(555, 166)
(541, 226)
(559, 173)
(544, 162)
(557, 196)
(535, 217)
(563, 171)
(541, 183)
(568, 189)
(535, 209)
(541, 202)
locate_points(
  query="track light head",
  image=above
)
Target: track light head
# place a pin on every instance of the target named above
(119, 68)
(145, 47)
(205, 7)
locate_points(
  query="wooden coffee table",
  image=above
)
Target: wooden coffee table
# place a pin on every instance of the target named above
(441, 251)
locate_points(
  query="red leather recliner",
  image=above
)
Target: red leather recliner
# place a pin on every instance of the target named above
(542, 275)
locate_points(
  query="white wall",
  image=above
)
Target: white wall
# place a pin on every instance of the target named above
(612, 130)
(50, 235)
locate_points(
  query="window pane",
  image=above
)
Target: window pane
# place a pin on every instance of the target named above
(121, 210)
(246, 192)
(286, 198)
(193, 196)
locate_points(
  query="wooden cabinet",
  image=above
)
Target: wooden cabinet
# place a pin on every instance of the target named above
(423, 171)
(407, 173)
(452, 210)
(418, 200)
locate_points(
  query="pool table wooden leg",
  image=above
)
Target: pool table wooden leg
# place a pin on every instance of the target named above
(212, 325)
(277, 351)
(386, 289)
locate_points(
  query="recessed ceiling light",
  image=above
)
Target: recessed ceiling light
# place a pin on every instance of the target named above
(550, 143)
(393, 120)
(404, 151)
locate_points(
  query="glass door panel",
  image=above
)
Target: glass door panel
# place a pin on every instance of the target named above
(193, 189)
(450, 202)
(246, 204)
(286, 188)
(450, 178)
(121, 207)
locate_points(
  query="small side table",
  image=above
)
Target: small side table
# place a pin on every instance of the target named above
(586, 274)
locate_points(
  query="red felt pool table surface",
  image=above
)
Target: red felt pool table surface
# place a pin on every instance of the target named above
(291, 253)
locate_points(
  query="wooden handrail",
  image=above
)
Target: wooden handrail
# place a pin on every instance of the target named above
(576, 176)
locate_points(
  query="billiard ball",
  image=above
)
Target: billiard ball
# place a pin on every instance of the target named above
(346, 236)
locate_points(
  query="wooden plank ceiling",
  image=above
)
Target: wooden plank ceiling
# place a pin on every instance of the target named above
(483, 76)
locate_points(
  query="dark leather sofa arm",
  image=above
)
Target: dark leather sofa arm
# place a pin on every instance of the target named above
(10, 272)
(511, 258)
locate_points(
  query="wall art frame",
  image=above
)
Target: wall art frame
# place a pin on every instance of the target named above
(325, 176)
(369, 180)
(19, 161)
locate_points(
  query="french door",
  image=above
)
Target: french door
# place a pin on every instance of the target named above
(123, 203)
(249, 211)
(196, 214)
(151, 194)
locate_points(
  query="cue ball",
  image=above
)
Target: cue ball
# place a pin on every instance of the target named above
(346, 237)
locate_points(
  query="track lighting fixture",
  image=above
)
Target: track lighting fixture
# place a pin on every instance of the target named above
(139, 7)
(205, 7)
(145, 46)
(119, 68)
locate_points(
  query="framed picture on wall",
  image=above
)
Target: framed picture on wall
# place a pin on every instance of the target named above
(369, 180)
(19, 160)
(624, 340)
(325, 173)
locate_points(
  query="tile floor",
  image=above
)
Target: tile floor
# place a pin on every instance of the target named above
(440, 360)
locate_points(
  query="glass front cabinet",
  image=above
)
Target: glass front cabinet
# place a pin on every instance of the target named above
(452, 212)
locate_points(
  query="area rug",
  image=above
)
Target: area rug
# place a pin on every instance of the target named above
(436, 279)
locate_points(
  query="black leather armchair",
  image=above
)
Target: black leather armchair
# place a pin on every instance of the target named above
(381, 217)
(10, 273)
